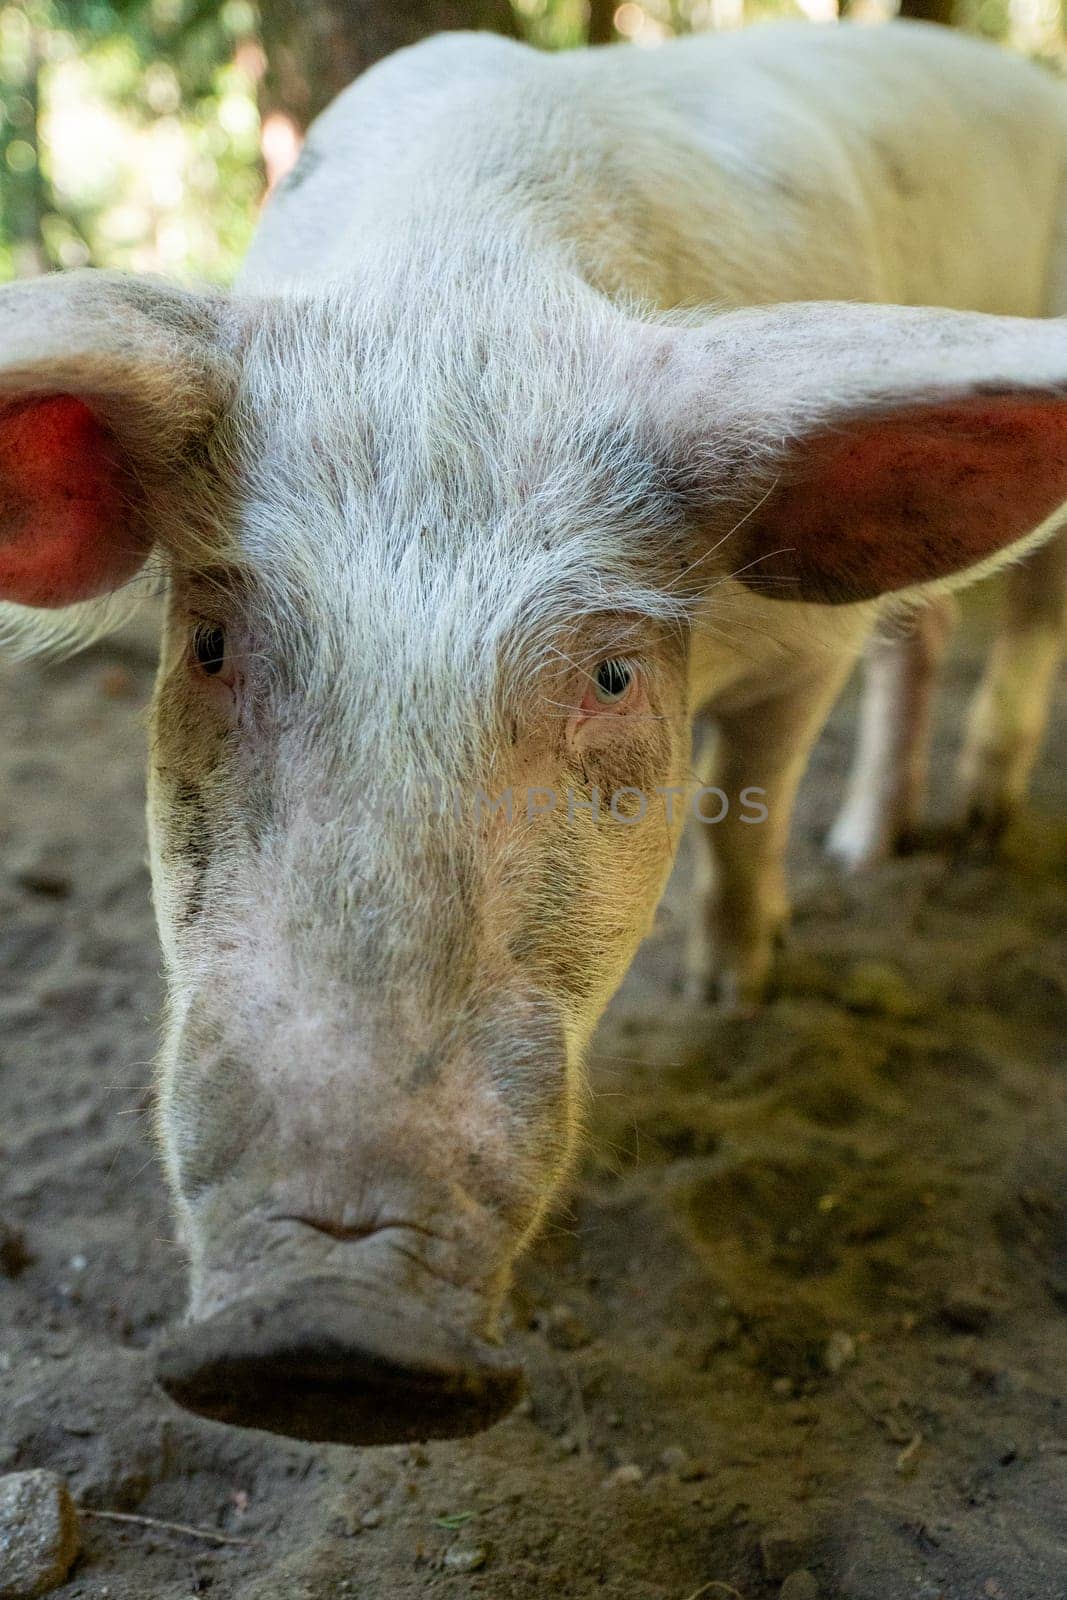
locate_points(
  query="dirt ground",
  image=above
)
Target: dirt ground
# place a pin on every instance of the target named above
(806, 1312)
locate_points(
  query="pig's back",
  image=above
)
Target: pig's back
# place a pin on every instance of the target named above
(944, 155)
(900, 163)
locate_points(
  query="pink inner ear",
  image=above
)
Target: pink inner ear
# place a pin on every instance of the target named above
(893, 501)
(67, 524)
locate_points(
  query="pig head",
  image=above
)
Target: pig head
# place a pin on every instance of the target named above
(423, 703)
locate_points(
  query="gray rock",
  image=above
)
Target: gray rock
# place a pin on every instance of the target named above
(14, 1254)
(39, 1534)
(682, 1465)
(840, 1350)
(566, 1330)
(877, 987)
(625, 1476)
(800, 1585)
(782, 1550)
(465, 1558)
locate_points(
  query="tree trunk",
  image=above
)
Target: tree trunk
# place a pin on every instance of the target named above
(25, 189)
(602, 21)
(943, 11)
(316, 47)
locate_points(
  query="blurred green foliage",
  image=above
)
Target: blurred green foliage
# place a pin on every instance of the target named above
(130, 133)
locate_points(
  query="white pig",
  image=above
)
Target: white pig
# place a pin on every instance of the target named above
(564, 398)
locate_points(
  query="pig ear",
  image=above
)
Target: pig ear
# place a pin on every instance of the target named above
(868, 450)
(106, 385)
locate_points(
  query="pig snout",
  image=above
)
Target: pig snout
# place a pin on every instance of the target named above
(351, 1240)
(340, 1360)
(342, 1335)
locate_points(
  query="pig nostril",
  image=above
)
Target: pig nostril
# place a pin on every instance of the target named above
(344, 1361)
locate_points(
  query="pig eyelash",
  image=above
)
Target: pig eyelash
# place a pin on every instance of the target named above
(209, 652)
(209, 648)
(612, 680)
(611, 687)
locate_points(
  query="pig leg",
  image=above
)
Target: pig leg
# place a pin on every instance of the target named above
(1007, 718)
(762, 742)
(887, 785)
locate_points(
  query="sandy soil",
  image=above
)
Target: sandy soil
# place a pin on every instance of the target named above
(806, 1311)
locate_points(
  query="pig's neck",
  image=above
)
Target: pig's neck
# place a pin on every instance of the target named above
(464, 206)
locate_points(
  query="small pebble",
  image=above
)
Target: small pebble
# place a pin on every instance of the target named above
(782, 1552)
(802, 1415)
(966, 1313)
(683, 1465)
(465, 1558)
(840, 1350)
(800, 1585)
(371, 1518)
(566, 1330)
(630, 1473)
(877, 987)
(39, 1534)
(48, 885)
(44, 870)
(14, 1256)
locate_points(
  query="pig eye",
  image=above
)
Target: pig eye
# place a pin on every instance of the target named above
(209, 648)
(611, 680)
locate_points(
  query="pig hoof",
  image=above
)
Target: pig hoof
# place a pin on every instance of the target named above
(338, 1362)
(992, 788)
(983, 824)
(734, 969)
(858, 844)
(740, 995)
(730, 990)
